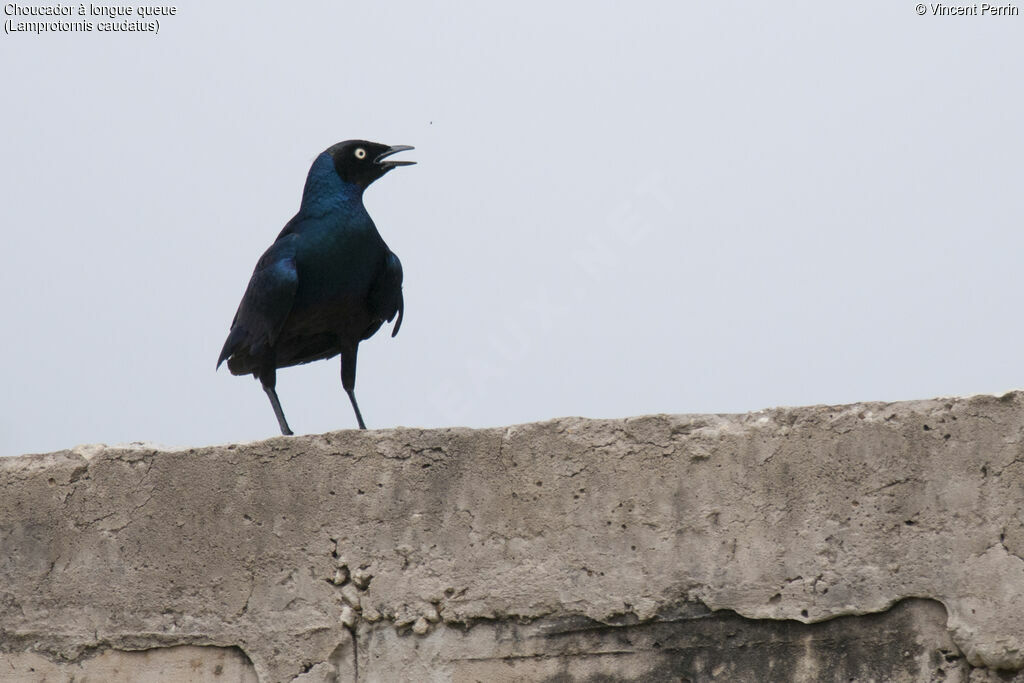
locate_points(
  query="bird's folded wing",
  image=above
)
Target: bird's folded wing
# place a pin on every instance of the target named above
(266, 304)
(385, 300)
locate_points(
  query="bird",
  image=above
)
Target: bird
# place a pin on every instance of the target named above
(327, 282)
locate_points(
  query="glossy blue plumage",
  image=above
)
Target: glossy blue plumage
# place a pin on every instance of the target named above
(328, 282)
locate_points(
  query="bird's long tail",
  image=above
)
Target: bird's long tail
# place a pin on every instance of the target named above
(230, 344)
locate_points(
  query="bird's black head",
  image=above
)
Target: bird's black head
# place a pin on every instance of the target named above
(361, 162)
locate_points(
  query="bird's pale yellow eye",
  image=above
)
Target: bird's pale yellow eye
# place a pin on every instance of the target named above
(360, 153)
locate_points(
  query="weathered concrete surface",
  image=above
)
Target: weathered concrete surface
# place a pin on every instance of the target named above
(684, 547)
(181, 663)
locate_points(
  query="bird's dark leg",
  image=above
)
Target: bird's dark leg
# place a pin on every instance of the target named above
(348, 380)
(268, 378)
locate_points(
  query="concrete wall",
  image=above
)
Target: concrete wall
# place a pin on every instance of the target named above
(865, 542)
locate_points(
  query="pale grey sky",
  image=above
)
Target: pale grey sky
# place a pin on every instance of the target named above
(618, 209)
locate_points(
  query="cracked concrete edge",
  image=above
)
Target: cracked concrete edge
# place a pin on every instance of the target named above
(908, 642)
(789, 513)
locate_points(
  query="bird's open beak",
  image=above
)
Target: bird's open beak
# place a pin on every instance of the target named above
(393, 150)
